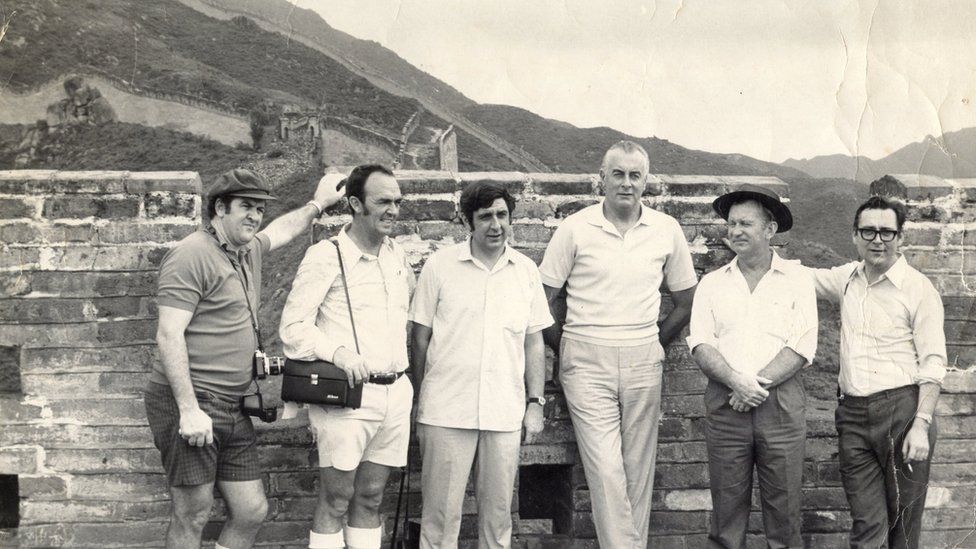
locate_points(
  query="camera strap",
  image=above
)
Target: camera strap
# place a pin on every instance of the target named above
(345, 286)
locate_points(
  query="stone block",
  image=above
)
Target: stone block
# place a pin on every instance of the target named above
(99, 411)
(89, 182)
(68, 386)
(684, 383)
(694, 185)
(174, 182)
(40, 512)
(45, 335)
(104, 461)
(136, 232)
(961, 356)
(18, 460)
(122, 486)
(423, 209)
(426, 182)
(56, 310)
(161, 205)
(925, 236)
(16, 208)
(82, 206)
(109, 534)
(679, 522)
(513, 181)
(681, 475)
(26, 181)
(77, 436)
(562, 184)
(533, 209)
(124, 358)
(912, 187)
(42, 486)
(532, 232)
(928, 212)
(568, 208)
(440, 230)
(19, 259)
(294, 483)
(12, 410)
(685, 210)
(101, 258)
(548, 454)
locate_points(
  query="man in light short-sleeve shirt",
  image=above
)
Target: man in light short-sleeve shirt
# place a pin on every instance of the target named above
(478, 314)
(613, 257)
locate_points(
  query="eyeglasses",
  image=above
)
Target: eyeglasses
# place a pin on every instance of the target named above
(887, 235)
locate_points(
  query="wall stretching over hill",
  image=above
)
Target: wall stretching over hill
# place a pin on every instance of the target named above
(77, 319)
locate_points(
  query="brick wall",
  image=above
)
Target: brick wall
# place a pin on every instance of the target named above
(77, 320)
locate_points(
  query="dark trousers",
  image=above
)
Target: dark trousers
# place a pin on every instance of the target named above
(886, 499)
(772, 438)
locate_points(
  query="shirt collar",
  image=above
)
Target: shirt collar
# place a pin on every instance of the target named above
(351, 251)
(595, 217)
(776, 264)
(895, 273)
(465, 255)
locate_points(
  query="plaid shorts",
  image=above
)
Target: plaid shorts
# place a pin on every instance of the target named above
(232, 455)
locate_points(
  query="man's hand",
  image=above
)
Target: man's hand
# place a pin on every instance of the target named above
(916, 445)
(352, 364)
(533, 422)
(196, 427)
(747, 389)
(737, 404)
(326, 193)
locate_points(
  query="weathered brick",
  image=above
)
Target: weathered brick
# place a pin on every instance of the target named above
(928, 212)
(104, 534)
(19, 460)
(82, 206)
(127, 486)
(433, 184)
(548, 454)
(439, 230)
(127, 358)
(684, 383)
(532, 232)
(101, 411)
(77, 436)
(682, 452)
(102, 258)
(16, 208)
(10, 356)
(42, 486)
(172, 205)
(92, 182)
(55, 310)
(103, 460)
(677, 522)
(681, 475)
(177, 182)
(568, 208)
(423, 209)
(513, 181)
(12, 410)
(126, 331)
(561, 184)
(928, 236)
(19, 259)
(26, 181)
(68, 386)
(40, 335)
(294, 483)
(686, 210)
(40, 512)
(80, 284)
(694, 185)
(126, 232)
(683, 406)
(533, 209)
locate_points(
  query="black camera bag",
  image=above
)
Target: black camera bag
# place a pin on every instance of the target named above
(319, 382)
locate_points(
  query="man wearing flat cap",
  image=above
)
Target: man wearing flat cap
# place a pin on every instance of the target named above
(753, 327)
(208, 297)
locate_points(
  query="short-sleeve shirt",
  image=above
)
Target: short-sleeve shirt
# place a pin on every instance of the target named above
(892, 331)
(613, 281)
(749, 328)
(479, 318)
(199, 274)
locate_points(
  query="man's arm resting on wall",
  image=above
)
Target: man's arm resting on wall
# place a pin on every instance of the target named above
(677, 319)
(745, 388)
(535, 380)
(282, 230)
(195, 425)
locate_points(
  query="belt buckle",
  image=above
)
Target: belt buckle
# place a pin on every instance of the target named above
(383, 378)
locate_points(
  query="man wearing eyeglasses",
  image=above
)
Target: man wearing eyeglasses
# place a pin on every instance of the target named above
(892, 362)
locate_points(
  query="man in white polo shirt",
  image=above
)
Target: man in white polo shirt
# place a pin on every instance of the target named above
(478, 314)
(613, 257)
(753, 327)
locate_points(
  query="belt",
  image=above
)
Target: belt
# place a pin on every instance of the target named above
(897, 392)
(385, 378)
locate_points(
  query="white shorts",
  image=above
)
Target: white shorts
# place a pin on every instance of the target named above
(345, 437)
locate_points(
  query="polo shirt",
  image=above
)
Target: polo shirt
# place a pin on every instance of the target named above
(199, 274)
(315, 319)
(613, 281)
(891, 330)
(479, 317)
(749, 328)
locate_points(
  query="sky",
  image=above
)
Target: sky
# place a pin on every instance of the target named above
(771, 79)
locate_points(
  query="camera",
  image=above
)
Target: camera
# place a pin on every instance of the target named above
(263, 365)
(253, 405)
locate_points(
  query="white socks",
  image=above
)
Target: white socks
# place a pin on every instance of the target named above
(326, 541)
(363, 538)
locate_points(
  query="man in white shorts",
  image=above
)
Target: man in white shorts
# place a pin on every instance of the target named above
(357, 447)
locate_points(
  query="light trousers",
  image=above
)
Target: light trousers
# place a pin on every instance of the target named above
(614, 400)
(448, 455)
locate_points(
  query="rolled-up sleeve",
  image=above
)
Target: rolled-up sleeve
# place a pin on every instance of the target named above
(301, 338)
(804, 327)
(702, 326)
(929, 335)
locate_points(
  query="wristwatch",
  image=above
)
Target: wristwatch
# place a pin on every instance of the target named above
(540, 400)
(927, 418)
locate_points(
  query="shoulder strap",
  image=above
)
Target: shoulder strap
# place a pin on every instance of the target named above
(345, 286)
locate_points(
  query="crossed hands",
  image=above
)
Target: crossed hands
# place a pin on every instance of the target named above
(748, 391)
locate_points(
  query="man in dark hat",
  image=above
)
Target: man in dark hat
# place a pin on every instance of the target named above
(753, 327)
(209, 293)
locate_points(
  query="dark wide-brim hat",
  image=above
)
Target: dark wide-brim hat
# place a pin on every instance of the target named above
(762, 195)
(240, 182)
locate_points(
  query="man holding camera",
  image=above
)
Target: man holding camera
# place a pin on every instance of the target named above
(357, 447)
(209, 291)
(478, 315)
